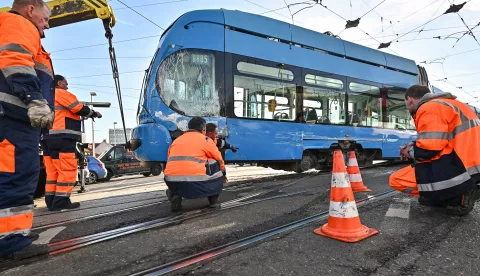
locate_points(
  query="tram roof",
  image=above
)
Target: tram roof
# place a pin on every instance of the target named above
(283, 31)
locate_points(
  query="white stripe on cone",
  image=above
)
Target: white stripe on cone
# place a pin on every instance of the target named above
(346, 209)
(352, 162)
(340, 180)
(355, 178)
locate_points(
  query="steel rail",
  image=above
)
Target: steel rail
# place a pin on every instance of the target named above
(242, 243)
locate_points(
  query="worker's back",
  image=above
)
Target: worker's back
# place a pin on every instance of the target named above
(450, 129)
(189, 154)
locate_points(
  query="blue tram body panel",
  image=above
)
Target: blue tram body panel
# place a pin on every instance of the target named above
(257, 37)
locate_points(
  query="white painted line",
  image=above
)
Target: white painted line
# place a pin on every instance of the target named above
(48, 235)
(399, 209)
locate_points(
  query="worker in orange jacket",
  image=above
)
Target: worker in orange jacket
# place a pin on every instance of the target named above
(23, 111)
(195, 167)
(59, 146)
(447, 163)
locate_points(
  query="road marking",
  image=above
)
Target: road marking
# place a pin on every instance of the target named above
(400, 208)
(48, 235)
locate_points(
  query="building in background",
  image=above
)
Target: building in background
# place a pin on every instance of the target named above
(116, 136)
(99, 148)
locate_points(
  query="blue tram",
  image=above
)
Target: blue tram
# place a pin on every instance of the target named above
(285, 95)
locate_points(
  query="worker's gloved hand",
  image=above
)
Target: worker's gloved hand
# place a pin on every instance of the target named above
(98, 114)
(233, 148)
(40, 114)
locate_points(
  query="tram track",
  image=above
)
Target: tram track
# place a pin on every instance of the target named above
(104, 214)
(234, 246)
(279, 191)
(306, 176)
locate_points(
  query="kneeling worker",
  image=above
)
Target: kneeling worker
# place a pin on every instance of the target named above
(195, 167)
(447, 163)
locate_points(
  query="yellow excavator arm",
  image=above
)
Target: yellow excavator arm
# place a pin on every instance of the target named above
(66, 12)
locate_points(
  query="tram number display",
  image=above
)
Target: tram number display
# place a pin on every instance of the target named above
(198, 59)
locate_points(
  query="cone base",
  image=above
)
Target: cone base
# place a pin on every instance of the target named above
(354, 236)
(361, 189)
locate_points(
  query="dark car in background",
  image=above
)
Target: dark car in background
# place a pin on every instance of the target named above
(118, 161)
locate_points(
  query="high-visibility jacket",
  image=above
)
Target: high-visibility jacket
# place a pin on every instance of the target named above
(447, 147)
(45, 73)
(194, 166)
(19, 84)
(68, 109)
(44, 69)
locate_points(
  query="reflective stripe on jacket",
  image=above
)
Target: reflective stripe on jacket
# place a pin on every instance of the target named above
(67, 123)
(447, 147)
(19, 84)
(189, 158)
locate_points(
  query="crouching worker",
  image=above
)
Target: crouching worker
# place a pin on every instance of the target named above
(447, 163)
(195, 167)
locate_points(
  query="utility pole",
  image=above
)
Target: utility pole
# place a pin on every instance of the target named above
(93, 130)
(114, 133)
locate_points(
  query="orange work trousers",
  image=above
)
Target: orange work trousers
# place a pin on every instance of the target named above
(404, 181)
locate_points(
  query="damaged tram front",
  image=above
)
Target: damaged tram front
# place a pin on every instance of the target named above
(285, 95)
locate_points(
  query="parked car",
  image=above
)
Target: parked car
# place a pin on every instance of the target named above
(97, 170)
(118, 161)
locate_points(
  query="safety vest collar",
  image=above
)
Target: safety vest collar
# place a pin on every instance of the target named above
(432, 96)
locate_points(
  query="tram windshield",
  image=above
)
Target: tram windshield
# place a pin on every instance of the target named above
(186, 83)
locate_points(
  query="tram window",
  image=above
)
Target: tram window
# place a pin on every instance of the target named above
(186, 81)
(323, 105)
(324, 81)
(253, 95)
(398, 115)
(264, 71)
(366, 106)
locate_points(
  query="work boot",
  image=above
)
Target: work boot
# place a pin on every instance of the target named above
(425, 202)
(68, 206)
(213, 201)
(27, 252)
(33, 236)
(176, 203)
(466, 204)
(169, 195)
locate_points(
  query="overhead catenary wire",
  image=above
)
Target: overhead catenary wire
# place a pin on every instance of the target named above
(421, 30)
(415, 12)
(152, 4)
(94, 58)
(163, 29)
(100, 75)
(103, 44)
(271, 10)
(425, 30)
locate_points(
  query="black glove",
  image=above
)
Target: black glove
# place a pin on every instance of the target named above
(233, 148)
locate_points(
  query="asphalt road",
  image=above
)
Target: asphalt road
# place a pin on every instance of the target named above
(413, 239)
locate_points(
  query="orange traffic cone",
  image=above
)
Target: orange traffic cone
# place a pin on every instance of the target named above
(354, 174)
(343, 220)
